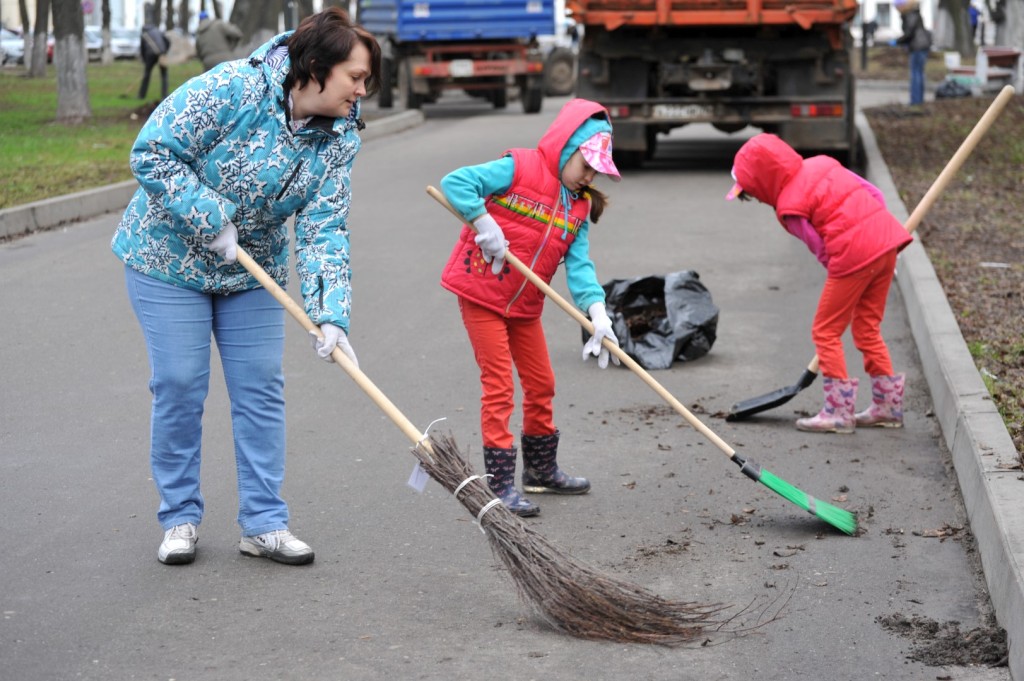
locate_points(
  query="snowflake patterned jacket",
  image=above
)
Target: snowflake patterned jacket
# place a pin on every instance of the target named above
(220, 150)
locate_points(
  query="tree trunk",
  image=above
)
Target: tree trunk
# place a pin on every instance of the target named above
(170, 16)
(107, 55)
(26, 23)
(26, 30)
(1011, 32)
(70, 58)
(955, 12)
(184, 15)
(36, 60)
(256, 19)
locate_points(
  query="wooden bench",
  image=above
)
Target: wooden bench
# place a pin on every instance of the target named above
(994, 67)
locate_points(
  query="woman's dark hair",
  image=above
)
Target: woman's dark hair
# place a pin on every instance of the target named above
(324, 40)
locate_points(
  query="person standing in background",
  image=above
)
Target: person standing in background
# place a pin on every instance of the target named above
(153, 45)
(973, 14)
(918, 41)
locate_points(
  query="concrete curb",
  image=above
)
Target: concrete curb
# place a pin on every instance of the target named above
(974, 432)
(61, 210)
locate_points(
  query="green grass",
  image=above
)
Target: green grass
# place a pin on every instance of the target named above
(42, 158)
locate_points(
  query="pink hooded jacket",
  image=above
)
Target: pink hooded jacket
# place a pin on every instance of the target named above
(853, 224)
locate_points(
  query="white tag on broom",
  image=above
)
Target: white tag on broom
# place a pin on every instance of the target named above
(419, 477)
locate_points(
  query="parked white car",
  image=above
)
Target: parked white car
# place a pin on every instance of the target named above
(94, 42)
(12, 47)
(124, 42)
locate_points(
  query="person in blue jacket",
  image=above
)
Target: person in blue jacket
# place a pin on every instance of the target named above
(224, 162)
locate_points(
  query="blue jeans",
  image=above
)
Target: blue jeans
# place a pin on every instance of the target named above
(918, 59)
(249, 329)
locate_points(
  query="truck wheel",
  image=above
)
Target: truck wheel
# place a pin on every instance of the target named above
(651, 134)
(410, 98)
(559, 72)
(533, 99)
(500, 97)
(386, 96)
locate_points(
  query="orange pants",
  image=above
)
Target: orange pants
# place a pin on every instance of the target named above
(497, 343)
(856, 301)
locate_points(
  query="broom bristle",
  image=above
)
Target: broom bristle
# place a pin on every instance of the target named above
(833, 515)
(570, 596)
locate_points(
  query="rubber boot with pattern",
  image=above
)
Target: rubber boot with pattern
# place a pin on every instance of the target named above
(501, 465)
(837, 414)
(886, 410)
(541, 474)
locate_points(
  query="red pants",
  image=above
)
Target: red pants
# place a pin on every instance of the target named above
(856, 301)
(498, 343)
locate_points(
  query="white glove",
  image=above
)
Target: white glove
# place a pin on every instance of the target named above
(602, 329)
(491, 241)
(225, 244)
(332, 336)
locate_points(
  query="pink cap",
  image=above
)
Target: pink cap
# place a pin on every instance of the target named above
(598, 153)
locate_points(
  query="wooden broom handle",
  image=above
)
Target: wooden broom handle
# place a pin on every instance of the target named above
(954, 164)
(338, 355)
(585, 323)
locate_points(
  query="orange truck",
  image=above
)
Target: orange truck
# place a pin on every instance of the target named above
(783, 66)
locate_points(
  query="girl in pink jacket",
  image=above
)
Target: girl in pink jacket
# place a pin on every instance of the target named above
(843, 220)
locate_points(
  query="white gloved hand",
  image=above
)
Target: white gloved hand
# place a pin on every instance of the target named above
(332, 336)
(225, 244)
(491, 241)
(602, 329)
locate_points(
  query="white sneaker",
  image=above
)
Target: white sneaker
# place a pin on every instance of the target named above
(277, 545)
(179, 545)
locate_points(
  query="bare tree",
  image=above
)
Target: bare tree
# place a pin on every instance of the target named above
(26, 30)
(184, 14)
(37, 64)
(70, 57)
(107, 55)
(956, 10)
(257, 18)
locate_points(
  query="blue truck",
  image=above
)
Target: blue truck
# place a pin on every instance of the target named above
(485, 47)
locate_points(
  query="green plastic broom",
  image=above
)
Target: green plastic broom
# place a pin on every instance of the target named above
(833, 515)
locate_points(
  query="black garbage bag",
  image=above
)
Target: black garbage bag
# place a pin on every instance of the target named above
(658, 320)
(951, 89)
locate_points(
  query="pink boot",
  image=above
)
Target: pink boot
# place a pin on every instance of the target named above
(886, 410)
(837, 414)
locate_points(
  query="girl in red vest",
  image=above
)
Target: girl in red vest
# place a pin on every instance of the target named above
(538, 203)
(843, 220)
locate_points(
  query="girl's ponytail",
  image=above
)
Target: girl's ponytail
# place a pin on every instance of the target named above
(598, 202)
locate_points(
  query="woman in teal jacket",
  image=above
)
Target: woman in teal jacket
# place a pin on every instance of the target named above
(225, 161)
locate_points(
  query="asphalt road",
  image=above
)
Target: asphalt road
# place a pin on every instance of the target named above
(404, 585)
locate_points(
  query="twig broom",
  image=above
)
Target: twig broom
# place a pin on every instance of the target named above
(833, 515)
(570, 596)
